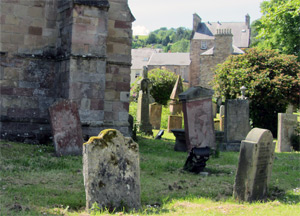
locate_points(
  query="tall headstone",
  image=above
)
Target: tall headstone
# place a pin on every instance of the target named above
(287, 124)
(255, 166)
(155, 110)
(222, 117)
(111, 171)
(237, 124)
(175, 119)
(66, 128)
(142, 117)
(198, 117)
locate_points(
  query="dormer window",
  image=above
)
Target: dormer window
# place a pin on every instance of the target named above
(146, 59)
(203, 45)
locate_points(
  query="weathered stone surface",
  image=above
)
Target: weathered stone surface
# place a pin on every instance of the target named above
(287, 124)
(142, 116)
(237, 124)
(222, 117)
(255, 166)
(174, 122)
(111, 171)
(155, 115)
(66, 128)
(198, 117)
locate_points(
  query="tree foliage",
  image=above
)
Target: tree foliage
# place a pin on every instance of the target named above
(165, 38)
(162, 81)
(272, 81)
(279, 27)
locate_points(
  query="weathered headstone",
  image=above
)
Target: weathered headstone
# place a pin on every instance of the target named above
(287, 124)
(222, 117)
(198, 117)
(66, 128)
(215, 108)
(111, 171)
(174, 122)
(255, 166)
(142, 116)
(155, 115)
(237, 124)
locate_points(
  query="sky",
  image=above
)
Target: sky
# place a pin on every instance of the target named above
(154, 14)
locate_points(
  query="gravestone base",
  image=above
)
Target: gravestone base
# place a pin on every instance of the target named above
(234, 147)
(145, 128)
(180, 144)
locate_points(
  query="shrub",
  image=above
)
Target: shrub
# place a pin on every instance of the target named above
(272, 81)
(163, 82)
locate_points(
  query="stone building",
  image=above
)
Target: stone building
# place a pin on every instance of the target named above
(179, 63)
(212, 43)
(73, 49)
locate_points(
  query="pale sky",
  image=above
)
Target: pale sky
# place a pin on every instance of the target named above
(154, 14)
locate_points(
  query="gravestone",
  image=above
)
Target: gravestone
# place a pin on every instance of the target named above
(180, 143)
(175, 104)
(155, 115)
(66, 128)
(255, 166)
(222, 117)
(111, 171)
(237, 124)
(174, 122)
(287, 124)
(142, 116)
(198, 117)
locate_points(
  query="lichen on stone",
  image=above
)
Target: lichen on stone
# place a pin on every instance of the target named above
(108, 134)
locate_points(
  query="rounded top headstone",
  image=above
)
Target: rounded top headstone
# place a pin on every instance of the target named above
(258, 135)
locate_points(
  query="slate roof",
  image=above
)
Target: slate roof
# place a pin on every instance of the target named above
(240, 31)
(170, 59)
(236, 51)
(140, 57)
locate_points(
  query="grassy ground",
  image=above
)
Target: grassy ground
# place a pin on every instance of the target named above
(35, 182)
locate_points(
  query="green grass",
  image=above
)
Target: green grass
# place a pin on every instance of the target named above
(35, 182)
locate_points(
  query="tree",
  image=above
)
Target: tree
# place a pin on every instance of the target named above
(181, 46)
(279, 27)
(152, 38)
(163, 82)
(272, 81)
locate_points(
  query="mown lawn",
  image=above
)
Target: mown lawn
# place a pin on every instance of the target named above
(35, 182)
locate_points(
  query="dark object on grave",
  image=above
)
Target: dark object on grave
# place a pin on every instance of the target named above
(159, 134)
(180, 144)
(196, 160)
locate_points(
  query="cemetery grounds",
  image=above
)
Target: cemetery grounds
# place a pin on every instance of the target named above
(35, 182)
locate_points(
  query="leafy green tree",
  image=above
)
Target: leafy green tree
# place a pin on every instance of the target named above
(163, 82)
(181, 46)
(279, 27)
(152, 39)
(272, 81)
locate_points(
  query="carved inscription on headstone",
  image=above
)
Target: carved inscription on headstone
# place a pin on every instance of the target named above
(255, 166)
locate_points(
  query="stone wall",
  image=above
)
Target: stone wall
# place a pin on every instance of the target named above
(72, 49)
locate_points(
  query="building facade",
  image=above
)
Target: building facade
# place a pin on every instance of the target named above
(211, 44)
(72, 49)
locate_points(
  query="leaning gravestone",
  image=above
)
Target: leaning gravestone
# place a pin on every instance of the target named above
(255, 166)
(198, 117)
(66, 128)
(111, 171)
(287, 124)
(237, 123)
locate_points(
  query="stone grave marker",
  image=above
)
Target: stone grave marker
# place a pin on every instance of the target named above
(198, 117)
(237, 124)
(174, 122)
(287, 124)
(255, 166)
(66, 128)
(111, 171)
(142, 116)
(155, 110)
(222, 117)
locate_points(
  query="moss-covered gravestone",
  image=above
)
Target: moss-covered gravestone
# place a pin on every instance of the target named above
(111, 171)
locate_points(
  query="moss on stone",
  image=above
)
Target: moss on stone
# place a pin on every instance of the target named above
(108, 134)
